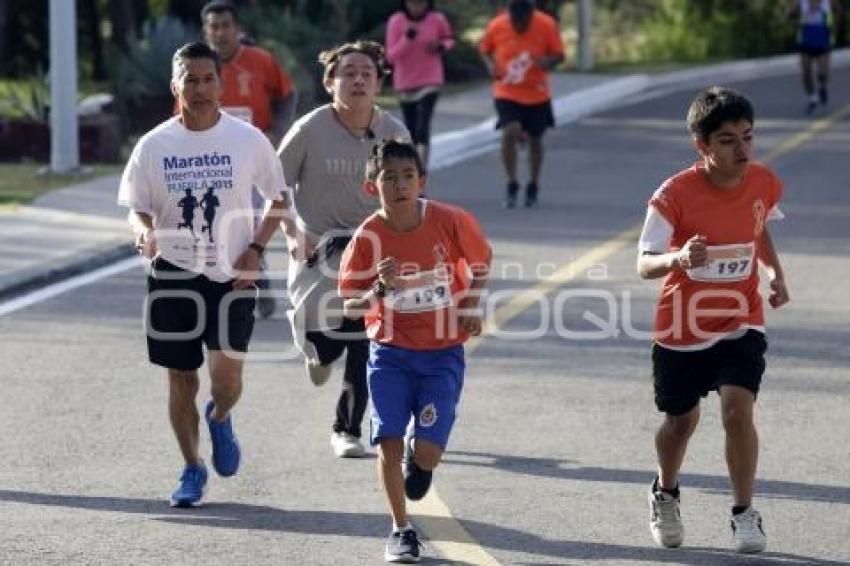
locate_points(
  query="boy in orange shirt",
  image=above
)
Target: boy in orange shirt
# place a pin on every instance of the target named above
(519, 48)
(706, 232)
(407, 270)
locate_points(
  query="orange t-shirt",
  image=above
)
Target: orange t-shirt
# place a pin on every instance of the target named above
(251, 80)
(521, 80)
(433, 260)
(732, 220)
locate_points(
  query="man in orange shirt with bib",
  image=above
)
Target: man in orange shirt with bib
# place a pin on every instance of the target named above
(256, 89)
(519, 48)
(706, 234)
(407, 268)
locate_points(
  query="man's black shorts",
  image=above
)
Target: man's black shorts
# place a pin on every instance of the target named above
(176, 297)
(813, 50)
(534, 118)
(681, 378)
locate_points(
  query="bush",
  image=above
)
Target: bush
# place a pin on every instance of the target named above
(690, 31)
(143, 75)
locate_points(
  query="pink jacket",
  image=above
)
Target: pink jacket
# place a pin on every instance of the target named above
(414, 66)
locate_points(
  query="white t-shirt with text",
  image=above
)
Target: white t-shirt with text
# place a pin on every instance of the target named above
(196, 185)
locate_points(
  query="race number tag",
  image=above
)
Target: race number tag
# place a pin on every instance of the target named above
(243, 113)
(420, 292)
(731, 262)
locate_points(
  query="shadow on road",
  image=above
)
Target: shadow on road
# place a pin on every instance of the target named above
(371, 525)
(567, 470)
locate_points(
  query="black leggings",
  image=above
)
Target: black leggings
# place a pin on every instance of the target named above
(355, 391)
(417, 117)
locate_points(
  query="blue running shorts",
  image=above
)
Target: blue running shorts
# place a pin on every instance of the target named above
(405, 383)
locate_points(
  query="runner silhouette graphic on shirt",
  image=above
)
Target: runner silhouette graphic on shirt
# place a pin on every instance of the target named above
(209, 202)
(188, 203)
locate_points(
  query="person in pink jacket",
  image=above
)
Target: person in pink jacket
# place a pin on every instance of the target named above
(417, 36)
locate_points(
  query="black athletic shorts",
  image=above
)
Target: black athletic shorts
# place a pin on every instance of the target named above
(681, 378)
(175, 331)
(534, 118)
(813, 51)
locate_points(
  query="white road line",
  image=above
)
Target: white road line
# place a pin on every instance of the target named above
(56, 289)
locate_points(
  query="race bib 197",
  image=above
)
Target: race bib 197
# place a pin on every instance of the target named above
(730, 262)
(420, 292)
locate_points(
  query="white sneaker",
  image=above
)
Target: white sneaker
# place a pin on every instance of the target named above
(665, 521)
(346, 445)
(319, 374)
(747, 531)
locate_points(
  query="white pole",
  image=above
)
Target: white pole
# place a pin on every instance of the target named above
(64, 134)
(585, 47)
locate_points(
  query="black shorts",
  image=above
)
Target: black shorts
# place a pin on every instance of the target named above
(681, 378)
(534, 118)
(417, 117)
(175, 332)
(813, 51)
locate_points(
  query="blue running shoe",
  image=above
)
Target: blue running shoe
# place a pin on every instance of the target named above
(225, 447)
(193, 484)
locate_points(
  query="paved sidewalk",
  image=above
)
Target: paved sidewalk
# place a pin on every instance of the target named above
(73, 230)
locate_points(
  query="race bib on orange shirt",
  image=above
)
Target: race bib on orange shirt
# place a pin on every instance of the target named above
(421, 292)
(730, 262)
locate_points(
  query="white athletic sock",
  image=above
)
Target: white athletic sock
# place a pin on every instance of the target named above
(407, 526)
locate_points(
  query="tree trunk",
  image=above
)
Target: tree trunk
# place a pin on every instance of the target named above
(91, 17)
(124, 26)
(4, 20)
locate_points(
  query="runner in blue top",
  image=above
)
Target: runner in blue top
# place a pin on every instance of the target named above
(814, 39)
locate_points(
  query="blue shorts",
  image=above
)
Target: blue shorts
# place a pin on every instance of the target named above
(423, 384)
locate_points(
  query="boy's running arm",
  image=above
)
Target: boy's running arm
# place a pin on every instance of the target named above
(770, 260)
(469, 313)
(356, 304)
(652, 265)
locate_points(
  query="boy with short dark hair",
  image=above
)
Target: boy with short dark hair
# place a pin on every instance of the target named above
(705, 232)
(416, 269)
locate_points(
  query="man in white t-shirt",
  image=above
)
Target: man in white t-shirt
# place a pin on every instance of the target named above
(188, 185)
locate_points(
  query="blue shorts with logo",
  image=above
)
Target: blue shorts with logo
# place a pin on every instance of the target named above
(423, 384)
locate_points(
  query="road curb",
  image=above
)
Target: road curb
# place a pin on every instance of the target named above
(82, 262)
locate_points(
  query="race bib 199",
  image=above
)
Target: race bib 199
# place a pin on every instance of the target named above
(731, 262)
(420, 292)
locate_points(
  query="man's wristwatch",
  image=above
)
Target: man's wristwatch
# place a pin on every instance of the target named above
(260, 249)
(379, 288)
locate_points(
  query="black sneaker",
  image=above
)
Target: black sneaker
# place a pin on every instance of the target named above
(531, 194)
(266, 304)
(403, 547)
(823, 95)
(811, 106)
(417, 481)
(510, 199)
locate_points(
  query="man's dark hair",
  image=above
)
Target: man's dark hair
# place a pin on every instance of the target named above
(391, 149)
(716, 106)
(402, 5)
(219, 7)
(194, 50)
(375, 51)
(520, 9)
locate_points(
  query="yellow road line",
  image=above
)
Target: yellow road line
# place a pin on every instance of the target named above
(816, 127)
(432, 515)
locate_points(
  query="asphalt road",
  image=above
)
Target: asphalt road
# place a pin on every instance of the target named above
(553, 450)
